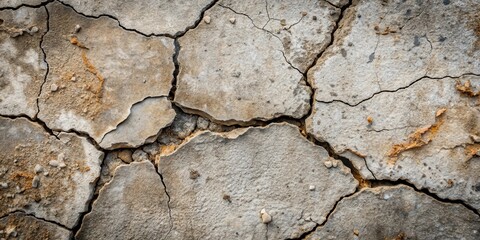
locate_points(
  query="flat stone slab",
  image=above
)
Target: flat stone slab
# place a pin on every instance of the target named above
(22, 65)
(22, 226)
(50, 177)
(142, 126)
(95, 78)
(398, 213)
(426, 134)
(233, 72)
(384, 46)
(133, 205)
(220, 182)
(146, 16)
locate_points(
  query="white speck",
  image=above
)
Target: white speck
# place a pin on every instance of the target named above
(34, 29)
(73, 79)
(311, 187)
(77, 28)
(334, 163)
(232, 20)
(53, 87)
(38, 169)
(3, 185)
(53, 163)
(207, 19)
(35, 181)
(328, 164)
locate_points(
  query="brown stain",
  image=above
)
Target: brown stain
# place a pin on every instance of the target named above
(472, 150)
(419, 138)
(24, 178)
(74, 41)
(466, 88)
(92, 69)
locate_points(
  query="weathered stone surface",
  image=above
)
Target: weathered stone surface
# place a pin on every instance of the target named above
(18, 3)
(302, 27)
(132, 206)
(398, 213)
(236, 72)
(95, 77)
(146, 16)
(386, 45)
(67, 169)
(142, 126)
(221, 181)
(426, 134)
(23, 227)
(22, 65)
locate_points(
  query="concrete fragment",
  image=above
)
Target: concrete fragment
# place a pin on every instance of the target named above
(421, 134)
(22, 226)
(143, 125)
(22, 65)
(398, 212)
(61, 196)
(267, 87)
(254, 167)
(132, 206)
(382, 46)
(146, 16)
(109, 71)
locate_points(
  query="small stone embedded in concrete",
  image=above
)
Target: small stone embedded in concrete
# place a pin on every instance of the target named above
(397, 212)
(232, 20)
(22, 65)
(143, 125)
(266, 218)
(311, 187)
(110, 71)
(421, 134)
(64, 194)
(21, 226)
(254, 166)
(207, 19)
(38, 169)
(146, 16)
(132, 205)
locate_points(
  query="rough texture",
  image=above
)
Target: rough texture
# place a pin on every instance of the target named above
(64, 169)
(18, 3)
(142, 126)
(22, 68)
(146, 16)
(94, 77)
(236, 73)
(386, 45)
(132, 206)
(429, 138)
(221, 182)
(23, 227)
(398, 213)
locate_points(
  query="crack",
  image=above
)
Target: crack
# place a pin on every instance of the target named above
(173, 89)
(174, 36)
(168, 202)
(45, 60)
(333, 5)
(38, 218)
(27, 5)
(91, 201)
(398, 89)
(34, 120)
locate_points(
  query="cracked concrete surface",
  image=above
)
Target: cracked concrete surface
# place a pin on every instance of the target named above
(258, 119)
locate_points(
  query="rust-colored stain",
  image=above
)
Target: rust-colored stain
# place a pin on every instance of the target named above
(419, 138)
(25, 178)
(74, 41)
(92, 69)
(466, 88)
(472, 150)
(369, 120)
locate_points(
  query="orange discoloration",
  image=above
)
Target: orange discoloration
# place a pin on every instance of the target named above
(25, 178)
(472, 150)
(369, 120)
(419, 138)
(74, 41)
(92, 69)
(466, 88)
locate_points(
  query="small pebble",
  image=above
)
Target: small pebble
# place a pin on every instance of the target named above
(45, 174)
(207, 19)
(35, 181)
(77, 28)
(62, 165)
(266, 218)
(34, 29)
(73, 79)
(3, 185)
(38, 169)
(311, 187)
(328, 164)
(53, 163)
(232, 20)
(334, 163)
(53, 87)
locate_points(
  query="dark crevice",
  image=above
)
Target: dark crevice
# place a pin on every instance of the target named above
(381, 183)
(45, 60)
(173, 89)
(400, 88)
(35, 120)
(92, 200)
(27, 5)
(168, 202)
(39, 218)
(175, 36)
